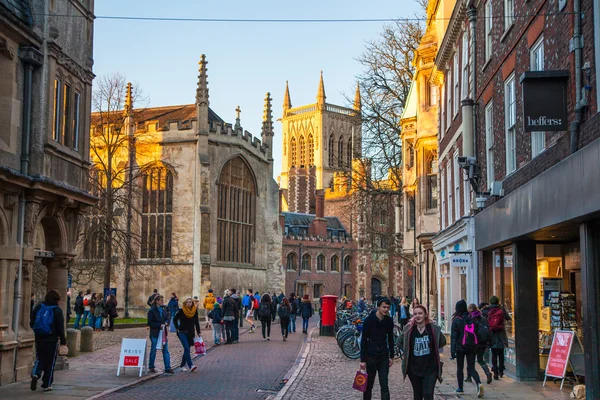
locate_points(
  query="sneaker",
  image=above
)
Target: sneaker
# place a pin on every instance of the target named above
(468, 379)
(264, 338)
(480, 391)
(284, 338)
(153, 370)
(268, 338)
(459, 391)
(184, 369)
(489, 378)
(34, 380)
(48, 389)
(169, 371)
(193, 368)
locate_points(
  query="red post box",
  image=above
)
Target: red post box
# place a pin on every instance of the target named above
(328, 315)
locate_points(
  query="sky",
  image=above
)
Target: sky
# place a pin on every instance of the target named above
(245, 60)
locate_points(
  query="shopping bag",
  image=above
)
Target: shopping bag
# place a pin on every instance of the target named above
(360, 381)
(164, 336)
(200, 346)
(159, 342)
(172, 326)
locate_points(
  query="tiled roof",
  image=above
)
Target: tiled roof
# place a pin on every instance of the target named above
(20, 8)
(304, 220)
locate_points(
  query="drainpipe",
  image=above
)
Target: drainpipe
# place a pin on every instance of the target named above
(472, 14)
(577, 45)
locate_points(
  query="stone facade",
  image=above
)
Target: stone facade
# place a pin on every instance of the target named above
(44, 59)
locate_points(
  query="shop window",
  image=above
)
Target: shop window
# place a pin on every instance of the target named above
(503, 287)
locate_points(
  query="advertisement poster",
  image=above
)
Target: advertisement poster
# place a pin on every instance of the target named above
(559, 353)
(132, 354)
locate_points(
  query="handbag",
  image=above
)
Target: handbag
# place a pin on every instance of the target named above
(360, 381)
(63, 350)
(200, 346)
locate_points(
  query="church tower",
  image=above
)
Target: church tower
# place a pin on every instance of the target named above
(319, 140)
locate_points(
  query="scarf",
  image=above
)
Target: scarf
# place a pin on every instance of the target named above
(476, 314)
(189, 311)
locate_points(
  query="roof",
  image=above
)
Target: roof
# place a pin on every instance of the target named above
(410, 107)
(300, 219)
(20, 8)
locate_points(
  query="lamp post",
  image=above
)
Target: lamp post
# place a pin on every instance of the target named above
(342, 275)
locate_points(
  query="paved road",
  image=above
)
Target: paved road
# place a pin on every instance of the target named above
(251, 369)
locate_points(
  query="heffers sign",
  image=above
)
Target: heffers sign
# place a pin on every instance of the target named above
(544, 100)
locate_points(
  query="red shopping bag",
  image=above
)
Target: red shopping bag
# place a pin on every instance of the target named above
(360, 381)
(200, 346)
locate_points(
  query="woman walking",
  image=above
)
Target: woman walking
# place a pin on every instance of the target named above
(306, 311)
(285, 311)
(252, 305)
(404, 313)
(185, 320)
(420, 342)
(266, 314)
(99, 309)
(497, 317)
(463, 345)
(111, 311)
(483, 342)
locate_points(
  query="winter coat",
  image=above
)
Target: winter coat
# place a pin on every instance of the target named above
(111, 308)
(306, 309)
(186, 325)
(499, 339)
(209, 301)
(295, 305)
(439, 341)
(229, 307)
(155, 320)
(173, 306)
(238, 305)
(58, 329)
(79, 305)
(216, 314)
(272, 308)
(361, 305)
(457, 333)
(99, 308)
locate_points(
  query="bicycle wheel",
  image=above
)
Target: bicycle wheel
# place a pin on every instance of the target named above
(351, 346)
(342, 337)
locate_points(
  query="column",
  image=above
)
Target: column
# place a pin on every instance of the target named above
(589, 236)
(526, 318)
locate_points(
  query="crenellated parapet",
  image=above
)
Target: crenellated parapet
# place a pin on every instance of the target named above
(236, 134)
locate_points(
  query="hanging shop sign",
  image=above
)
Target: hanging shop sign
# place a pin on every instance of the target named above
(460, 260)
(544, 100)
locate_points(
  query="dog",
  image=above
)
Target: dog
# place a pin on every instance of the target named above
(578, 392)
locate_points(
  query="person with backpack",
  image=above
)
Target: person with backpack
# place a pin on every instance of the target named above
(463, 344)
(186, 321)
(158, 320)
(484, 337)
(87, 299)
(218, 326)
(257, 299)
(285, 311)
(266, 314)
(150, 301)
(209, 303)
(229, 311)
(496, 317)
(306, 311)
(78, 310)
(249, 309)
(295, 304)
(48, 325)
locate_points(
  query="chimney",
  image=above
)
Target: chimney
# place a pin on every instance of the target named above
(320, 223)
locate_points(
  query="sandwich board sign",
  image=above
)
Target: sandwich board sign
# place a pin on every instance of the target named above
(133, 352)
(558, 359)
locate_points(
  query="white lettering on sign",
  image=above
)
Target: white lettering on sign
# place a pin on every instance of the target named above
(544, 121)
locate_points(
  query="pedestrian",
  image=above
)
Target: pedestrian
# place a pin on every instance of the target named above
(99, 310)
(229, 310)
(257, 298)
(209, 303)
(496, 317)
(377, 348)
(111, 311)
(266, 314)
(484, 336)
(173, 305)
(186, 323)
(252, 304)
(48, 325)
(78, 310)
(295, 304)
(420, 342)
(246, 302)
(404, 313)
(93, 310)
(150, 301)
(158, 320)
(235, 330)
(306, 311)
(393, 308)
(68, 306)
(218, 325)
(361, 304)
(285, 311)
(280, 297)
(463, 344)
(415, 303)
(87, 299)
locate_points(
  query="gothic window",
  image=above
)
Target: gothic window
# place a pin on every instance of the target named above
(335, 264)
(341, 152)
(306, 262)
(311, 150)
(292, 261)
(331, 150)
(321, 263)
(236, 211)
(383, 217)
(302, 162)
(347, 261)
(293, 151)
(410, 155)
(95, 238)
(157, 213)
(349, 154)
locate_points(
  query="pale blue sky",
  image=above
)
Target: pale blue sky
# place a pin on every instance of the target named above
(246, 60)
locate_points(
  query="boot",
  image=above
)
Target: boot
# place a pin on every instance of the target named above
(489, 377)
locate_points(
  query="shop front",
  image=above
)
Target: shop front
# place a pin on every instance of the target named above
(539, 253)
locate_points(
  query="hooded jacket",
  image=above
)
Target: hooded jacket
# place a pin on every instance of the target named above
(216, 314)
(458, 327)
(229, 307)
(209, 301)
(58, 329)
(238, 304)
(439, 341)
(306, 308)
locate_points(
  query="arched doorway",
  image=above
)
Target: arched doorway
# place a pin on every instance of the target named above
(375, 288)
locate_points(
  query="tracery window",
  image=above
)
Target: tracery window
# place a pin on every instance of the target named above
(331, 150)
(236, 213)
(341, 152)
(293, 151)
(347, 261)
(321, 262)
(302, 152)
(311, 150)
(306, 262)
(157, 213)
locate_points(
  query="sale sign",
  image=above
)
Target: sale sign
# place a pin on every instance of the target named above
(132, 354)
(559, 353)
(131, 361)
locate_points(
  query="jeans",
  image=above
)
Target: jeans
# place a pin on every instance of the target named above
(266, 325)
(423, 386)
(92, 320)
(165, 352)
(460, 367)
(480, 354)
(86, 314)
(235, 332)
(78, 318)
(228, 330)
(378, 365)
(305, 324)
(498, 361)
(187, 357)
(292, 324)
(219, 333)
(45, 358)
(99, 322)
(284, 322)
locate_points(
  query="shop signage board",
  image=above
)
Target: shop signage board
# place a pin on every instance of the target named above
(133, 352)
(558, 359)
(544, 100)
(460, 260)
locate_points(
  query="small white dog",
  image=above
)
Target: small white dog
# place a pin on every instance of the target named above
(578, 392)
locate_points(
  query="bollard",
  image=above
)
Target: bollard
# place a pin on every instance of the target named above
(87, 339)
(72, 342)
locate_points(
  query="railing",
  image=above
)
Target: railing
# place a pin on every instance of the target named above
(302, 110)
(339, 110)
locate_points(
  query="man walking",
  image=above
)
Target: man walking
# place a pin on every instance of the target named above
(78, 310)
(235, 331)
(229, 311)
(87, 302)
(377, 348)
(158, 320)
(48, 326)
(249, 309)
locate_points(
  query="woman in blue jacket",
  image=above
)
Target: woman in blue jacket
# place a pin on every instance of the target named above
(306, 311)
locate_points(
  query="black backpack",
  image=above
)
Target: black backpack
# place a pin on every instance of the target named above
(284, 311)
(484, 333)
(264, 311)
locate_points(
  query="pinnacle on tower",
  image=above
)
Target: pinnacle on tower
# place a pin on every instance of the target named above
(287, 101)
(321, 93)
(238, 112)
(357, 101)
(267, 124)
(128, 99)
(202, 90)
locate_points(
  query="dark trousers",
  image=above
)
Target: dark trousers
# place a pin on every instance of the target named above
(460, 367)
(45, 358)
(266, 327)
(235, 332)
(228, 329)
(498, 360)
(481, 359)
(284, 322)
(111, 322)
(423, 386)
(378, 365)
(242, 316)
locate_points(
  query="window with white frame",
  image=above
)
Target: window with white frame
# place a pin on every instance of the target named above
(536, 55)
(489, 23)
(456, 93)
(489, 143)
(433, 94)
(442, 109)
(443, 196)
(509, 13)
(449, 191)
(457, 179)
(465, 66)
(448, 100)
(510, 112)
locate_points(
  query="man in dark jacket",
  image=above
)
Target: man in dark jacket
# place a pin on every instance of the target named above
(158, 320)
(150, 301)
(48, 324)
(229, 312)
(235, 331)
(78, 310)
(377, 348)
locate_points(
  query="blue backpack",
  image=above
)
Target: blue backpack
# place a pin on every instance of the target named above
(44, 320)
